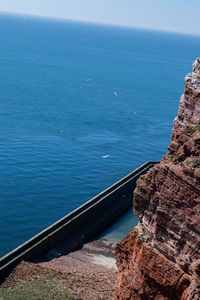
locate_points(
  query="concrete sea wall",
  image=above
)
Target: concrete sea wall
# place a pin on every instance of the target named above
(80, 225)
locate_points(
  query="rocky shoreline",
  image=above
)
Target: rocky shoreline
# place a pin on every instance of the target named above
(88, 273)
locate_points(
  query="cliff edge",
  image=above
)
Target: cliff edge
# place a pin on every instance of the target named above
(160, 258)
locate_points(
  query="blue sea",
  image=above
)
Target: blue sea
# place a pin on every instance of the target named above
(81, 105)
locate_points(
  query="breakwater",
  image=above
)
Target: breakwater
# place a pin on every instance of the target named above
(80, 225)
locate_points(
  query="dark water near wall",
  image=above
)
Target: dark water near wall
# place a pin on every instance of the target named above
(120, 228)
(80, 107)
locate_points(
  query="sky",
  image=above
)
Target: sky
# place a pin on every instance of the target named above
(169, 15)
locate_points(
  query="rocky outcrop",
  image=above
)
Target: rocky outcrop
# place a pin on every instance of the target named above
(160, 258)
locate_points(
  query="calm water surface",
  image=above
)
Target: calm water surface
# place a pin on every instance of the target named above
(80, 107)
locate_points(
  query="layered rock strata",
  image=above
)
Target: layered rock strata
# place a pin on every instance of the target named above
(160, 258)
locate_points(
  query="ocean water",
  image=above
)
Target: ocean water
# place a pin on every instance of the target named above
(81, 105)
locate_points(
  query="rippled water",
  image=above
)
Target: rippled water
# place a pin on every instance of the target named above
(80, 107)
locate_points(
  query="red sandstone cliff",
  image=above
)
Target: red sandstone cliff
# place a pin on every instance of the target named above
(160, 258)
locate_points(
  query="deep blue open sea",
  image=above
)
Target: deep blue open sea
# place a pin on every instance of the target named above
(81, 105)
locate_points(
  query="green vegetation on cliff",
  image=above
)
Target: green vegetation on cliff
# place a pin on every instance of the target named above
(38, 289)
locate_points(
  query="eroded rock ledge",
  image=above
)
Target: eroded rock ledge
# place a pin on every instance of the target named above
(160, 258)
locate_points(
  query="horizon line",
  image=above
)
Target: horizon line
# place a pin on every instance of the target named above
(18, 14)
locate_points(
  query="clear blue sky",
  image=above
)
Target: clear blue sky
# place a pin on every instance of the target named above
(169, 15)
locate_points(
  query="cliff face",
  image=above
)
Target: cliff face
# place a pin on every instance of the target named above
(160, 258)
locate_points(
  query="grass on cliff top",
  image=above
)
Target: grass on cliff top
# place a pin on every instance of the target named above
(45, 288)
